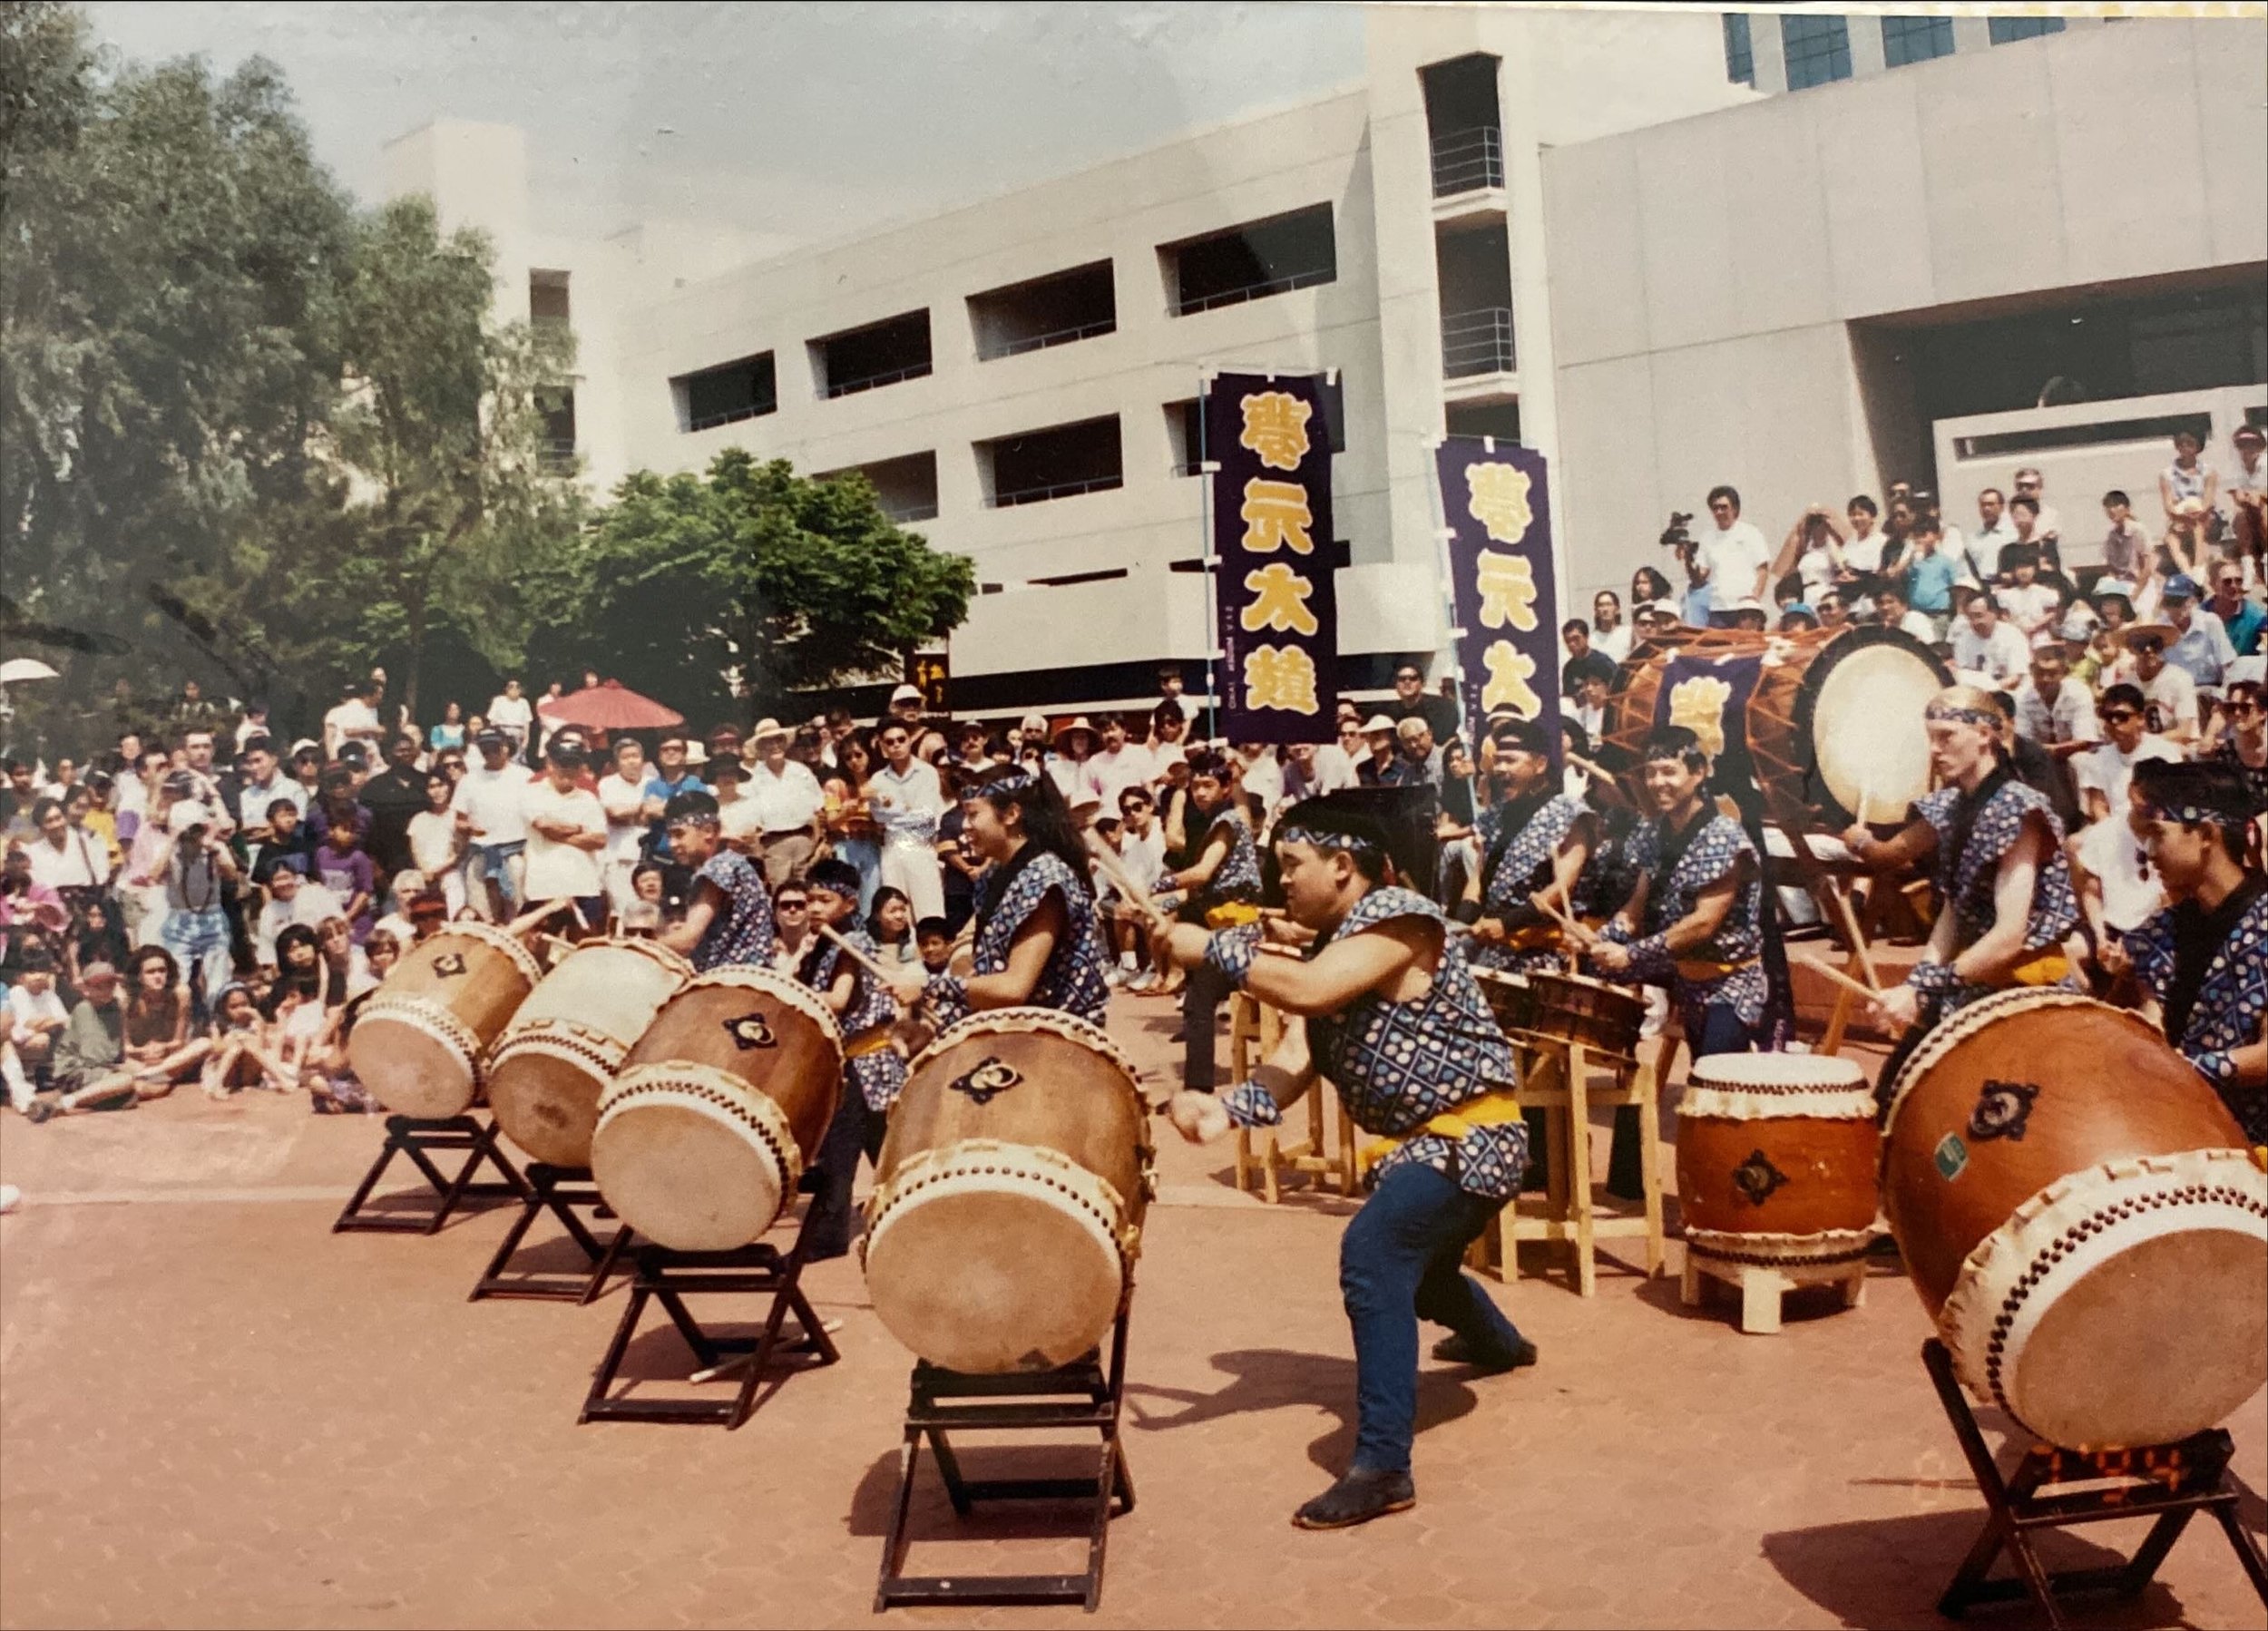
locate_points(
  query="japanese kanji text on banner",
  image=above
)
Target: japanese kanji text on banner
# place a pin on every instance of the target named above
(1498, 506)
(1273, 558)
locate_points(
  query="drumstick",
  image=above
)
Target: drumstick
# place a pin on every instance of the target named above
(1829, 972)
(528, 920)
(1115, 873)
(857, 956)
(1592, 768)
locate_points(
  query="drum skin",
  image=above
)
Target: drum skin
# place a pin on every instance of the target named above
(421, 1041)
(1777, 1159)
(1009, 1193)
(2075, 1206)
(717, 1110)
(1574, 1008)
(570, 1037)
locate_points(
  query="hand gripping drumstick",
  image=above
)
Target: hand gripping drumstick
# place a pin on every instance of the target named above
(528, 920)
(1831, 973)
(857, 956)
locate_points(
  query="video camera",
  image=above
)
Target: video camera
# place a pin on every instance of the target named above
(1677, 535)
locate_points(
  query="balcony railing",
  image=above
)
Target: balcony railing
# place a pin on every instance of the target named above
(1468, 161)
(1477, 342)
(556, 454)
(1256, 291)
(846, 388)
(1035, 495)
(900, 515)
(1040, 342)
(731, 416)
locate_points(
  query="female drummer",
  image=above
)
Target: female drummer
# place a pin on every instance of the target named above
(2204, 958)
(1038, 943)
(1532, 842)
(1397, 1023)
(874, 1072)
(2003, 885)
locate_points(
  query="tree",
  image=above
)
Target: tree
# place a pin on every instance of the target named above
(748, 583)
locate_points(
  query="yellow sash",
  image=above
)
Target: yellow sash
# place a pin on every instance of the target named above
(2049, 967)
(1699, 973)
(1491, 1109)
(1234, 914)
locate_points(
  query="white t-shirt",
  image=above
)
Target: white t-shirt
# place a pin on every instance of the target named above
(24, 1008)
(785, 803)
(1980, 553)
(1862, 554)
(2171, 696)
(741, 818)
(1264, 779)
(492, 798)
(2030, 606)
(2069, 718)
(2111, 772)
(352, 720)
(252, 802)
(1917, 624)
(513, 716)
(1615, 641)
(1075, 780)
(310, 907)
(1144, 854)
(1732, 558)
(625, 829)
(80, 863)
(2108, 851)
(556, 867)
(433, 841)
(2004, 654)
(1114, 772)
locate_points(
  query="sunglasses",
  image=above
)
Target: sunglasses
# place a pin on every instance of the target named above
(2149, 643)
(2244, 707)
(2118, 715)
(791, 905)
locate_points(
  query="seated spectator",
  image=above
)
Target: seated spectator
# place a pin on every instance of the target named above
(36, 1017)
(934, 939)
(159, 1047)
(1929, 576)
(2129, 557)
(2200, 645)
(1988, 646)
(1892, 610)
(2169, 691)
(96, 935)
(90, 1055)
(241, 1055)
(2030, 605)
(891, 925)
(2103, 773)
(292, 900)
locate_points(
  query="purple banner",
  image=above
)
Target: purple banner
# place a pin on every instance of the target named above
(1709, 697)
(1498, 506)
(1273, 583)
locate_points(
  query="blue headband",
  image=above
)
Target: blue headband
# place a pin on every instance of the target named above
(1948, 714)
(1353, 844)
(1014, 783)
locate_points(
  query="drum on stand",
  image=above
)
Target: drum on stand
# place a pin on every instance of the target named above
(421, 1043)
(1510, 998)
(2076, 1210)
(1575, 1007)
(719, 1106)
(1777, 1159)
(1009, 1198)
(570, 1037)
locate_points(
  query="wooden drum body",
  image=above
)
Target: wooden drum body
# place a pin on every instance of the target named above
(421, 1043)
(1510, 998)
(570, 1037)
(2077, 1210)
(1776, 1158)
(721, 1105)
(1574, 1008)
(1008, 1201)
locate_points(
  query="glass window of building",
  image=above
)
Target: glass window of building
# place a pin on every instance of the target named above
(1818, 50)
(1915, 40)
(2006, 29)
(1740, 57)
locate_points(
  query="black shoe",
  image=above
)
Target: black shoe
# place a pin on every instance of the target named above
(1456, 1350)
(38, 1110)
(1357, 1497)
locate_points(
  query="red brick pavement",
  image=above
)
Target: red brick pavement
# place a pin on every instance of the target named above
(214, 1412)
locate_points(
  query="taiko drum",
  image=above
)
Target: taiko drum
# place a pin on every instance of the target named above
(421, 1041)
(1776, 1158)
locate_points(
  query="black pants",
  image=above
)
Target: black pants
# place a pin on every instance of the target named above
(856, 1129)
(1201, 997)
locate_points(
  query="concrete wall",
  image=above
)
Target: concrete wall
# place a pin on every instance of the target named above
(1704, 271)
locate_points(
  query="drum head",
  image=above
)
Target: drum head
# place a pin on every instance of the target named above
(410, 1068)
(685, 1180)
(1859, 715)
(547, 1106)
(987, 1281)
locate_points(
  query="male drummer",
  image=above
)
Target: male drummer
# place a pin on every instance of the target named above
(2204, 958)
(874, 1071)
(728, 918)
(2003, 885)
(1395, 1020)
(1534, 841)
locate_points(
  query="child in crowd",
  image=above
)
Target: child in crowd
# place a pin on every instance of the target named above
(242, 1055)
(934, 942)
(892, 927)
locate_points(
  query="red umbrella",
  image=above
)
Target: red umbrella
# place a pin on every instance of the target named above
(612, 707)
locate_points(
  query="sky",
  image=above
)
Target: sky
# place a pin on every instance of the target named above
(796, 122)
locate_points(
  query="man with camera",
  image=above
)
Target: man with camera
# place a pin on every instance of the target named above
(1727, 564)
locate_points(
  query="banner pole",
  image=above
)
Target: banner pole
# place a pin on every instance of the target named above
(1212, 560)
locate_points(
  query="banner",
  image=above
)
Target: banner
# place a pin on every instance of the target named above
(1273, 579)
(1498, 506)
(1709, 697)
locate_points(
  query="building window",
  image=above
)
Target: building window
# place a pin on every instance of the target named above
(1077, 305)
(1915, 40)
(881, 354)
(906, 489)
(726, 394)
(555, 448)
(1818, 50)
(2006, 29)
(1251, 262)
(1060, 462)
(1740, 54)
(1182, 431)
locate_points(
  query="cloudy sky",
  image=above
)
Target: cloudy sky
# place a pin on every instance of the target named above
(795, 122)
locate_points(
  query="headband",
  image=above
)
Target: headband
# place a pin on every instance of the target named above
(2190, 815)
(1948, 713)
(1013, 784)
(1353, 844)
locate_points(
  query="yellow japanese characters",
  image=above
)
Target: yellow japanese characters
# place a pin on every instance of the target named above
(1280, 676)
(1497, 497)
(1275, 427)
(1276, 516)
(1698, 705)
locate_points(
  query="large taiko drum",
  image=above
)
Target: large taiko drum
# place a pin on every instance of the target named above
(719, 1106)
(1834, 722)
(421, 1041)
(1574, 1008)
(2076, 1207)
(1008, 1203)
(1777, 1159)
(570, 1037)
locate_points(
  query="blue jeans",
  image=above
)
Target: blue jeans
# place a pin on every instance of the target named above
(1400, 1260)
(199, 940)
(494, 862)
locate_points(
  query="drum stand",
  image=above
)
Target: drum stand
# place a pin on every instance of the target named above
(1079, 1395)
(416, 1137)
(669, 1277)
(2172, 1483)
(559, 1190)
(1253, 1025)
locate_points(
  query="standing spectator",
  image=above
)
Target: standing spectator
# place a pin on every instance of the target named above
(2188, 488)
(196, 929)
(1581, 662)
(450, 732)
(488, 809)
(345, 868)
(960, 863)
(672, 775)
(260, 782)
(906, 799)
(1732, 558)
(1930, 578)
(1074, 749)
(394, 797)
(566, 835)
(739, 820)
(354, 720)
(1168, 725)
(2104, 773)
(847, 822)
(973, 758)
(436, 845)
(511, 713)
(623, 795)
(1608, 633)
(1412, 701)
(1862, 551)
(1122, 764)
(788, 802)
(253, 724)
(1987, 645)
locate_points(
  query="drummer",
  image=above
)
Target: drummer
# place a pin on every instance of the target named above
(874, 1071)
(2204, 958)
(1037, 941)
(1533, 840)
(1226, 873)
(1397, 1022)
(2003, 886)
(728, 919)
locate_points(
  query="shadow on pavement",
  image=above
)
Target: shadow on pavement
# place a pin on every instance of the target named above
(1266, 1379)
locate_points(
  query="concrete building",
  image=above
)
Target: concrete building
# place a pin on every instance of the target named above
(1585, 231)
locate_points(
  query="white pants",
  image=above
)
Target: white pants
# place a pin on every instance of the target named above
(915, 869)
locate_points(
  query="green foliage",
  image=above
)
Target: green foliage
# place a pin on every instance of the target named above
(750, 581)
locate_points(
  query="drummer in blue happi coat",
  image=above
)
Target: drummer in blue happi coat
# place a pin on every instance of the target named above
(1534, 842)
(873, 1069)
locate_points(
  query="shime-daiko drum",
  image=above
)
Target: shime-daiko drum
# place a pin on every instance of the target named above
(2076, 1207)
(1776, 1158)
(1008, 1202)
(422, 1042)
(1577, 1009)
(719, 1106)
(568, 1038)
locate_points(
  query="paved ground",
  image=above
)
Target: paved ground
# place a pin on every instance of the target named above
(215, 1412)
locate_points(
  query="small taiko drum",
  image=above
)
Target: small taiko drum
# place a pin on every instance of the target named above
(570, 1037)
(421, 1041)
(1510, 998)
(719, 1106)
(1008, 1203)
(1574, 1008)
(2077, 1210)
(1777, 1159)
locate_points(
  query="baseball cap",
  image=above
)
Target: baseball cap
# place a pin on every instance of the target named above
(906, 693)
(1377, 723)
(488, 736)
(568, 755)
(2180, 586)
